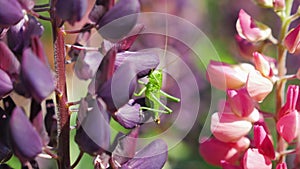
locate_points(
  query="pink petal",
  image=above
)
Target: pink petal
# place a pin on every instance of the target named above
(225, 151)
(288, 126)
(246, 48)
(251, 30)
(223, 76)
(258, 86)
(262, 64)
(254, 160)
(292, 40)
(281, 166)
(291, 100)
(263, 142)
(228, 127)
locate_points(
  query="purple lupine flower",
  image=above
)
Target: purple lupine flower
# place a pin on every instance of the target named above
(27, 4)
(74, 12)
(153, 156)
(19, 36)
(8, 61)
(10, 13)
(27, 143)
(86, 65)
(144, 61)
(129, 116)
(36, 75)
(119, 20)
(99, 9)
(5, 148)
(93, 132)
(125, 149)
(6, 85)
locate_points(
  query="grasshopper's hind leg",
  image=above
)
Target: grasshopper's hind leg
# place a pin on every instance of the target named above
(175, 99)
(155, 99)
(141, 92)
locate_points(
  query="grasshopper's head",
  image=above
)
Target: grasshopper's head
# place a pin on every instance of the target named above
(155, 77)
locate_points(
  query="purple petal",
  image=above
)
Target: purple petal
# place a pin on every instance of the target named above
(8, 61)
(38, 49)
(129, 116)
(144, 61)
(118, 90)
(5, 84)
(86, 65)
(36, 76)
(93, 135)
(5, 148)
(112, 28)
(153, 156)
(10, 13)
(127, 42)
(125, 148)
(71, 10)
(27, 4)
(27, 143)
(19, 36)
(99, 9)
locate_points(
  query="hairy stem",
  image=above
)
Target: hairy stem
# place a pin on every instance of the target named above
(63, 117)
(280, 86)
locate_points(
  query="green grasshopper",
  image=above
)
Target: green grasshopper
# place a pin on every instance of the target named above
(153, 93)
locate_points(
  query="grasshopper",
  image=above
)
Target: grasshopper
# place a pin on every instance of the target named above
(153, 94)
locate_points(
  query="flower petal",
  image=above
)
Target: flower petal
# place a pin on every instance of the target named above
(129, 116)
(153, 156)
(8, 61)
(288, 126)
(10, 13)
(253, 160)
(5, 84)
(292, 39)
(263, 142)
(74, 12)
(27, 143)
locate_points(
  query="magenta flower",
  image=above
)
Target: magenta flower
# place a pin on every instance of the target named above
(292, 40)
(224, 76)
(281, 166)
(253, 159)
(229, 152)
(263, 142)
(250, 29)
(288, 126)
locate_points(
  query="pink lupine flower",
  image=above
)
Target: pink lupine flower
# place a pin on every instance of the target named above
(241, 102)
(288, 126)
(253, 159)
(292, 40)
(279, 5)
(214, 150)
(224, 76)
(291, 100)
(246, 48)
(262, 64)
(228, 127)
(263, 142)
(258, 86)
(281, 166)
(250, 29)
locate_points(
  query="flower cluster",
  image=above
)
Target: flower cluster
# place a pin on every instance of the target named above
(241, 135)
(24, 70)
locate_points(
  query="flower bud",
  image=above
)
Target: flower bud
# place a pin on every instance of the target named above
(253, 159)
(74, 12)
(262, 65)
(27, 143)
(119, 20)
(279, 5)
(10, 13)
(292, 40)
(250, 29)
(288, 126)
